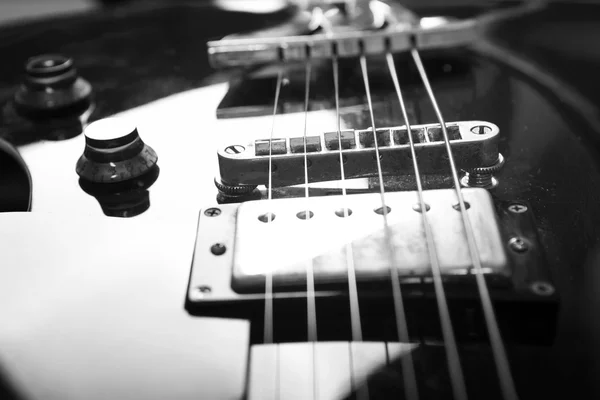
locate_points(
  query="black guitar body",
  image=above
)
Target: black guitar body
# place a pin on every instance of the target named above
(538, 83)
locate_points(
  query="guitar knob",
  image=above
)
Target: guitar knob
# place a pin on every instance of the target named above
(52, 87)
(114, 152)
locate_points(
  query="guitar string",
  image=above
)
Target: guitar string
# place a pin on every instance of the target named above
(352, 284)
(268, 313)
(310, 279)
(362, 392)
(499, 352)
(454, 366)
(355, 323)
(268, 322)
(410, 383)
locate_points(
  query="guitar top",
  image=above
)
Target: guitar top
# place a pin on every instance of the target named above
(339, 199)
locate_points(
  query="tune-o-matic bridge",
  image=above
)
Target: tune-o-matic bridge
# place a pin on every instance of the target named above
(474, 145)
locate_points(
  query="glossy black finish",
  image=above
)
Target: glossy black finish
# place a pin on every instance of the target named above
(138, 55)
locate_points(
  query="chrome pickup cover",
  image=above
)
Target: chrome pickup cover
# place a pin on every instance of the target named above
(286, 246)
(474, 144)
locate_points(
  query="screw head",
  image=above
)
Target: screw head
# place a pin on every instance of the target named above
(542, 288)
(519, 245)
(212, 212)
(517, 208)
(481, 129)
(201, 291)
(218, 249)
(235, 149)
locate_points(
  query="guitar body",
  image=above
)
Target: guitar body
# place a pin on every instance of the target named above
(93, 306)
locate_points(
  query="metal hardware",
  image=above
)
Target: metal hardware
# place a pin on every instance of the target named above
(239, 292)
(518, 244)
(483, 177)
(379, 210)
(528, 260)
(218, 249)
(473, 152)
(266, 147)
(233, 193)
(517, 208)
(303, 215)
(481, 129)
(212, 212)
(235, 149)
(242, 230)
(457, 206)
(201, 291)
(343, 212)
(542, 288)
(417, 207)
(266, 217)
(245, 52)
(327, 234)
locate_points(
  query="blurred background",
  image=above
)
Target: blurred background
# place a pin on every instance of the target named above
(15, 11)
(20, 10)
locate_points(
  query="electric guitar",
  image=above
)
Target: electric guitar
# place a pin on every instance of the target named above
(335, 200)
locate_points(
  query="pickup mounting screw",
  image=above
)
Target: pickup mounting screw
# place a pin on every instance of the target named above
(542, 288)
(212, 212)
(202, 291)
(235, 149)
(519, 245)
(517, 208)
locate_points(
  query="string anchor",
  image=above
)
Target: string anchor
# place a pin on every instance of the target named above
(483, 177)
(233, 193)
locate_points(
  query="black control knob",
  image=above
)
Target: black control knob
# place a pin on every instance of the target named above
(52, 88)
(114, 152)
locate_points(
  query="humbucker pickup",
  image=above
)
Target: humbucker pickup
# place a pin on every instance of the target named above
(474, 145)
(237, 248)
(285, 246)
